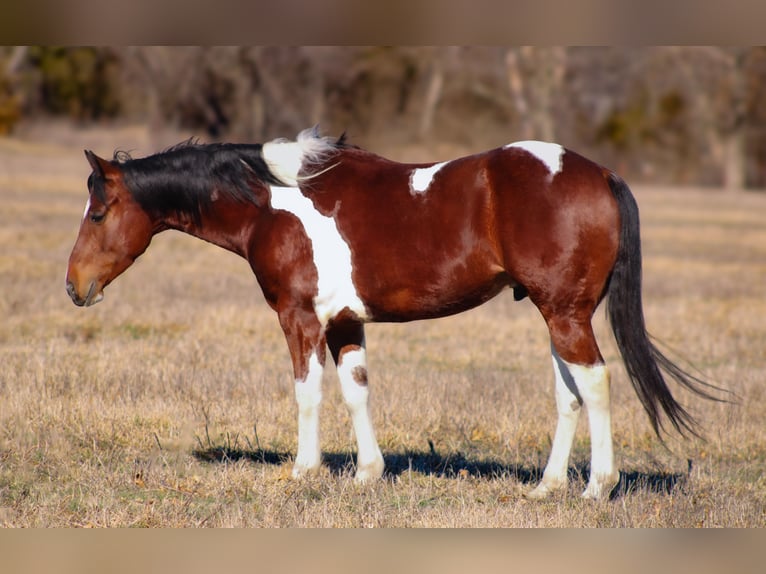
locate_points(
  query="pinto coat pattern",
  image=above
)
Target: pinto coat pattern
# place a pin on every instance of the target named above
(338, 237)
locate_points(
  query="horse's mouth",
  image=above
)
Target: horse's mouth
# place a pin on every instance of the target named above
(93, 296)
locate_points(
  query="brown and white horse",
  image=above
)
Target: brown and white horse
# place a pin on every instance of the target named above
(338, 237)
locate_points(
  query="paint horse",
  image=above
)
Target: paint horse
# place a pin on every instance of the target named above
(338, 237)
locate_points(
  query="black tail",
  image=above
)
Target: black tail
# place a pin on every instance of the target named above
(626, 315)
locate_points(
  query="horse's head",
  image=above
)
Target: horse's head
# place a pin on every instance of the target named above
(114, 231)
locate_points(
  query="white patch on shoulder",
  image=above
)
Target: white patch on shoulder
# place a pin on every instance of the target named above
(421, 178)
(550, 154)
(285, 158)
(332, 256)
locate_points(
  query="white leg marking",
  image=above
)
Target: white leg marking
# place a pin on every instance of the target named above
(421, 178)
(568, 406)
(593, 383)
(308, 394)
(352, 372)
(550, 154)
(332, 256)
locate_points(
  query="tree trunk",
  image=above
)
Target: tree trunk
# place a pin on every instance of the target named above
(533, 90)
(516, 89)
(433, 95)
(734, 160)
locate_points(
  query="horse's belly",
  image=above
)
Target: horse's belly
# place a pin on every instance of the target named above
(430, 299)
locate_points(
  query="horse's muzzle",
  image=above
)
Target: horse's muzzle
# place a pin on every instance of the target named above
(93, 296)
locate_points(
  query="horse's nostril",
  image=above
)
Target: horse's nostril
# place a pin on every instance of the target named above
(72, 292)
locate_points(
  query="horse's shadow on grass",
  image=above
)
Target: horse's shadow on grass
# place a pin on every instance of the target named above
(452, 466)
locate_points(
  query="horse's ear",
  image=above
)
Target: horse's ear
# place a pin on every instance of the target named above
(99, 165)
(93, 161)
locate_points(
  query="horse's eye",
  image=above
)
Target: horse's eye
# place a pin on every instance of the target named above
(97, 217)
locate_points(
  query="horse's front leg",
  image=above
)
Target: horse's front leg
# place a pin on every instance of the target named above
(347, 345)
(306, 341)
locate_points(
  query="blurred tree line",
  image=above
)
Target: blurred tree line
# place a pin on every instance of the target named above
(673, 114)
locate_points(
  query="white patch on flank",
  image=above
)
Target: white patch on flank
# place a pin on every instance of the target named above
(87, 209)
(421, 178)
(369, 458)
(308, 395)
(285, 158)
(550, 154)
(332, 256)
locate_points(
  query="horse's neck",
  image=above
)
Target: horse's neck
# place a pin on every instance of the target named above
(224, 224)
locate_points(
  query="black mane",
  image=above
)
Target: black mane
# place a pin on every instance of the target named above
(181, 180)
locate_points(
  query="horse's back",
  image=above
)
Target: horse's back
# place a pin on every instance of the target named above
(429, 240)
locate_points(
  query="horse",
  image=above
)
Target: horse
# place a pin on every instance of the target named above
(338, 237)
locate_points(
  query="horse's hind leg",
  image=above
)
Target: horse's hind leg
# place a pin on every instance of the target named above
(581, 378)
(568, 403)
(347, 346)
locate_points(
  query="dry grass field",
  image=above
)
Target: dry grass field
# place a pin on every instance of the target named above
(170, 403)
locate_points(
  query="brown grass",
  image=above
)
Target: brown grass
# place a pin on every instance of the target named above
(170, 403)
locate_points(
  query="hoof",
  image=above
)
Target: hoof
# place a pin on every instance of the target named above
(601, 487)
(302, 471)
(543, 490)
(369, 472)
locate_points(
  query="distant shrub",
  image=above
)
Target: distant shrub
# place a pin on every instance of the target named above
(79, 82)
(10, 108)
